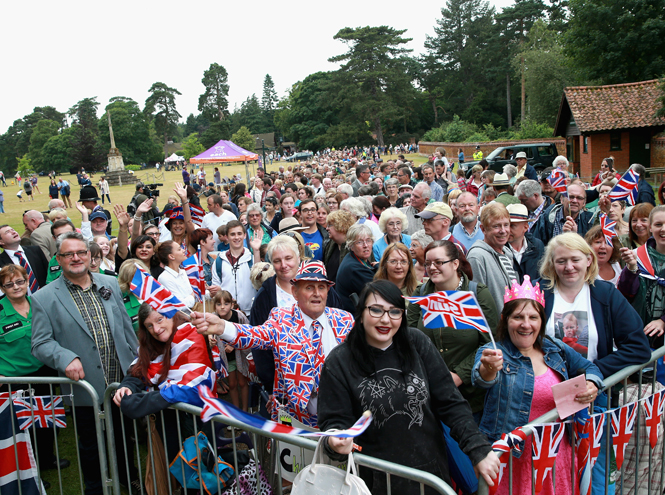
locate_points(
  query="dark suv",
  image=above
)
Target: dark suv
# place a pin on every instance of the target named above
(539, 155)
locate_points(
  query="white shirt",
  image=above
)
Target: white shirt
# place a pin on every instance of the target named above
(518, 254)
(213, 222)
(178, 284)
(14, 258)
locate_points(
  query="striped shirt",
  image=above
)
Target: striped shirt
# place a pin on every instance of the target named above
(89, 303)
(507, 263)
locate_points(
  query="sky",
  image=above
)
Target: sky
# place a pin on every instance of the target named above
(57, 53)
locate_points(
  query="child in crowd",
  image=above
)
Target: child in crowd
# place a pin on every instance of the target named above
(236, 360)
(461, 180)
(19, 195)
(223, 244)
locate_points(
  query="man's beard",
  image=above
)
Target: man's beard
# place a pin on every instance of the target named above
(470, 217)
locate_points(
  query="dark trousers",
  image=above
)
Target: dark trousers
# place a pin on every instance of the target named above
(89, 454)
(107, 197)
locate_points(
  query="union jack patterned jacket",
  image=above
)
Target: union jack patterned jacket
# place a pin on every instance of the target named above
(296, 368)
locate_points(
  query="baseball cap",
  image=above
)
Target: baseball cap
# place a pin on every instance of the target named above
(97, 214)
(434, 209)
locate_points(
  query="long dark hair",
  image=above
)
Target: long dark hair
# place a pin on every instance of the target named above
(140, 240)
(363, 356)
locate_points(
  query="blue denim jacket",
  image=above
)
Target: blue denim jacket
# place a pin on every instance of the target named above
(508, 400)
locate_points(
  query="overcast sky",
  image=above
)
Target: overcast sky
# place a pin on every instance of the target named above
(57, 53)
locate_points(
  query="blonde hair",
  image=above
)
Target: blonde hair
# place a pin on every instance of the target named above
(572, 242)
(410, 282)
(389, 214)
(492, 212)
(126, 272)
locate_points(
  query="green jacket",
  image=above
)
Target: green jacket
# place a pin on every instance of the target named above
(16, 358)
(54, 270)
(458, 346)
(132, 305)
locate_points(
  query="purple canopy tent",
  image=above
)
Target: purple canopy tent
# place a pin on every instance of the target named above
(224, 151)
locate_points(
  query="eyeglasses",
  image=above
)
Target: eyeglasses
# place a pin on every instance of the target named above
(398, 262)
(378, 312)
(437, 263)
(69, 256)
(255, 215)
(364, 242)
(578, 198)
(95, 260)
(308, 210)
(427, 220)
(394, 224)
(153, 234)
(19, 283)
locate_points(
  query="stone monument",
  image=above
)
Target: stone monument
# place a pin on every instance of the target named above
(116, 173)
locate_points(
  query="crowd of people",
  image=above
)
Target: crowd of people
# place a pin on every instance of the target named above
(306, 269)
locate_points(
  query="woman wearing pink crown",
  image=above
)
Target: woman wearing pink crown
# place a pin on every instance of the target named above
(519, 375)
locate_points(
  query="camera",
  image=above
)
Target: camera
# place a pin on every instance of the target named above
(151, 190)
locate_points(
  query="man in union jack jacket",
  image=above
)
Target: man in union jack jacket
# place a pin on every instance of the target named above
(300, 338)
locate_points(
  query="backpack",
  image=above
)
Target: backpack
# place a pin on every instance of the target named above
(218, 264)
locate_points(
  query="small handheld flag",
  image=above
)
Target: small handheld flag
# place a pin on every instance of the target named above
(607, 226)
(626, 188)
(194, 269)
(559, 181)
(454, 309)
(148, 290)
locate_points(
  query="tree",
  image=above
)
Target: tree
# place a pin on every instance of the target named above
(191, 146)
(249, 115)
(57, 150)
(43, 131)
(131, 131)
(216, 132)
(213, 103)
(24, 166)
(372, 65)
(162, 101)
(86, 149)
(612, 42)
(244, 139)
(269, 103)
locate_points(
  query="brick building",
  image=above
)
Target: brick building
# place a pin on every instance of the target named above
(617, 120)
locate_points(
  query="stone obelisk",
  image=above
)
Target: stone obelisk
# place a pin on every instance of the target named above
(116, 162)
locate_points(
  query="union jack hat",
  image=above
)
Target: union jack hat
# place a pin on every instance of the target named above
(174, 214)
(314, 271)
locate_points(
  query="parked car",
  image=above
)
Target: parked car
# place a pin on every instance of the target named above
(539, 155)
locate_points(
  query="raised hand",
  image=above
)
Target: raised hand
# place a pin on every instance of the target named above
(180, 190)
(121, 215)
(145, 207)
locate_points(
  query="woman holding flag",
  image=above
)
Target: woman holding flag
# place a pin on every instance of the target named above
(519, 373)
(174, 278)
(167, 342)
(396, 373)
(450, 271)
(642, 282)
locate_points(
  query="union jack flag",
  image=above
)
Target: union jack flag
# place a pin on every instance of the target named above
(596, 437)
(626, 188)
(454, 309)
(197, 214)
(559, 181)
(18, 469)
(645, 267)
(654, 406)
(194, 269)
(513, 440)
(545, 446)
(623, 421)
(582, 427)
(607, 226)
(215, 407)
(222, 371)
(41, 411)
(148, 290)
(190, 367)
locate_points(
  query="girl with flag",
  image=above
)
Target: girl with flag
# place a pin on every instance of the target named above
(642, 279)
(171, 254)
(450, 271)
(396, 372)
(608, 256)
(519, 376)
(173, 359)
(205, 239)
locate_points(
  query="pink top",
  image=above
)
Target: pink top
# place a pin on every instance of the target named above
(542, 402)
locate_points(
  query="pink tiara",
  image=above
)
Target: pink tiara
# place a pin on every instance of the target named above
(524, 291)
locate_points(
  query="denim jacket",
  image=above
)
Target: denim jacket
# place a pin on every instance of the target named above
(508, 400)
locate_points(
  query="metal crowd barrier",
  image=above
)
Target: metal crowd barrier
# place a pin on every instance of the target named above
(266, 459)
(619, 378)
(12, 383)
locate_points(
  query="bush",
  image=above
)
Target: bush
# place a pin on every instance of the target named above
(135, 168)
(459, 131)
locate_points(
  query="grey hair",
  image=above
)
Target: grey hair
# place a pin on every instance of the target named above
(561, 159)
(391, 182)
(367, 203)
(70, 235)
(255, 207)
(639, 169)
(346, 189)
(426, 191)
(421, 238)
(357, 230)
(528, 188)
(510, 170)
(390, 213)
(282, 242)
(354, 206)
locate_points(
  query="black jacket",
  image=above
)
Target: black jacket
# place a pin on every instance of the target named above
(36, 259)
(264, 302)
(531, 258)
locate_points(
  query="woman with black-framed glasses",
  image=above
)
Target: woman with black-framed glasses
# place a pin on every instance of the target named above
(395, 372)
(449, 270)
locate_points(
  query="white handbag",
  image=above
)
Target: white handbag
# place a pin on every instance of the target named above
(321, 479)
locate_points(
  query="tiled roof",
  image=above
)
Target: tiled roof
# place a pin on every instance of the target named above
(616, 106)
